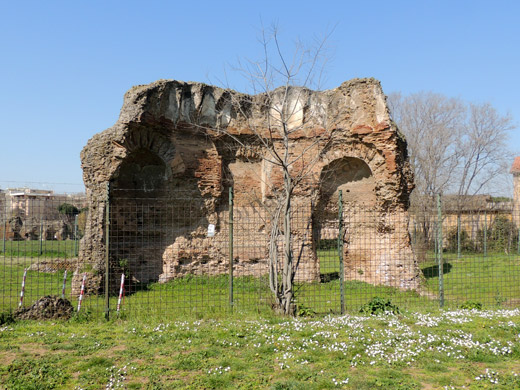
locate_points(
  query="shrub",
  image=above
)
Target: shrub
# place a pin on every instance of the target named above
(379, 305)
(501, 236)
(68, 209)
(453, 241)
(305, 311)
(6, 318)
(468, 305)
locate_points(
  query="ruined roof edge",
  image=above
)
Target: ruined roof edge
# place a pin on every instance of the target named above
(136, 97)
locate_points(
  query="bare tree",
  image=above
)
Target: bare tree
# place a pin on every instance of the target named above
(454, 147)
(431, 124)
(280, 85)
(483, 150)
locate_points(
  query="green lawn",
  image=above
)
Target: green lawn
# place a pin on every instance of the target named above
(198, 295)
(329, 260)
(493, 281)
(36, 248)
(37, 284)
(440, 350)
(183, 334)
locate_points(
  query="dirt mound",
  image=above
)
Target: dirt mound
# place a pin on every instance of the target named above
(46, 308)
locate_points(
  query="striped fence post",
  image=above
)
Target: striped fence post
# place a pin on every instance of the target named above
(121, 290)
(82, 292)
(23, 288)
(64, 284)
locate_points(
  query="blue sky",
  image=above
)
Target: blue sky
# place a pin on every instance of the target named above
(65, 65)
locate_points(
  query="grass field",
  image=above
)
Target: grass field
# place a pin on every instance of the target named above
(182, 334)
(441, 350)
(493, 281)
(36, 248)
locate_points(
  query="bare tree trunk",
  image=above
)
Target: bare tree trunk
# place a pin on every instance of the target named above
(287, 276)
(273, 252)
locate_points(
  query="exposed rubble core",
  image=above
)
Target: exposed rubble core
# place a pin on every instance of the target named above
(193, 139)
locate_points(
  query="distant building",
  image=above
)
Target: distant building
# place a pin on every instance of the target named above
(28, 203)
(515, 171)
(27, 213)
(472, 213)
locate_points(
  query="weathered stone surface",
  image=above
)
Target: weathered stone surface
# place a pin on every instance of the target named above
(93, 283)
(169, 141)
(55, 265)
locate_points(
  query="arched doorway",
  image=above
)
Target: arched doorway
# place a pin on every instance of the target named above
(353, 177)
(138, 222)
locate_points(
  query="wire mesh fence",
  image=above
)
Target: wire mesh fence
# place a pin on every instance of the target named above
(179, 253)
(40, 238)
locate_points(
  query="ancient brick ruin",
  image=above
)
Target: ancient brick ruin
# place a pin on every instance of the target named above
(174, 137)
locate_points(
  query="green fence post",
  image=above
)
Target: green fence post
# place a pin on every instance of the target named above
(5, 227)
(76, 235)
(107, 252)
(41, 237)
(436, 244)
(231, 248)
(439, 252)
(517, 242)
(458, 236)
(340, 254)
(485, 234)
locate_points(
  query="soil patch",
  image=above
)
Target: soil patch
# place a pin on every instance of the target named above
(46, 308)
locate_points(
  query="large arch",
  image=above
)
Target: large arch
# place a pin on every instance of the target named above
(138, 222)
(159, 217)
(375, 238)
(353, 177)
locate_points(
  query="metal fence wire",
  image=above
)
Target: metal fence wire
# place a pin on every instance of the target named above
(178, 253)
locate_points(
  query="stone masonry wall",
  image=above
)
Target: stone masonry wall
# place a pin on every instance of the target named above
(197, 140)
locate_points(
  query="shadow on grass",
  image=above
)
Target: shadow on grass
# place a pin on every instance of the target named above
(328, 277)
(433, 271)
(142, 287)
